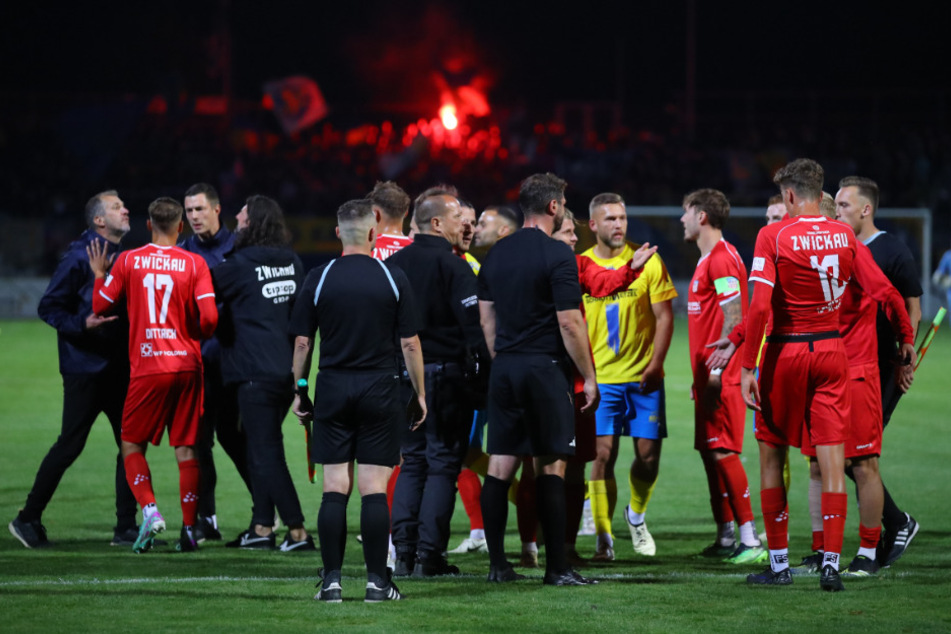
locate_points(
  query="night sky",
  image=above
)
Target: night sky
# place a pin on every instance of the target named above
(380, 52)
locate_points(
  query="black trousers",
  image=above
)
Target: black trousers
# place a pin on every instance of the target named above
(424, 496)
(85, 396)
(221, 418)
(263, 406)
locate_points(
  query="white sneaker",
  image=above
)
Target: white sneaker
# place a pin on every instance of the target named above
(641, 538)
(470, 545)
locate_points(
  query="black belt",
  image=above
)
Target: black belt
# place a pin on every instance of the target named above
(804, 338)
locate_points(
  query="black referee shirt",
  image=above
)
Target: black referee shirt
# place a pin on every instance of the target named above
(445, 290)
(361, 307)
(256, 287)
(529, 276)
(898, 265)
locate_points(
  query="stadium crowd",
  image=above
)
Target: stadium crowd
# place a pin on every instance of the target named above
(553, 357)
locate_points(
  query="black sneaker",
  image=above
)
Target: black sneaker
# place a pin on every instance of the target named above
(903, 537)
(567, 578)
(829, 579)
(437, 567)
(128, 536)
(718, 551)
(770, 578)
(379, 590)
(809, 565)
(330, 590)
(862, 566)
(405, 564)
(125, 537)
(504, 574)
(205, 529)
(31, 534)
(250, 540)
(290, 546)
(186, 541)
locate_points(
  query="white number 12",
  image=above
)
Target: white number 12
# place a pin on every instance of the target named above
(156, 282)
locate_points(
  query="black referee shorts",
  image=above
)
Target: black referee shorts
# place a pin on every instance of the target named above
(357, 417)
(531, 407)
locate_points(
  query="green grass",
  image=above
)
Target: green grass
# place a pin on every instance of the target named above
(85, 585)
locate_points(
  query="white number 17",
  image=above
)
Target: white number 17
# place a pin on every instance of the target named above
(156, 282)
(828, 276)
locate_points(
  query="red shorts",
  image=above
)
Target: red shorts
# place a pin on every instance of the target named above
(804, 391)
(865, 431)
(585, 435)
(723, 428)
(157, 401)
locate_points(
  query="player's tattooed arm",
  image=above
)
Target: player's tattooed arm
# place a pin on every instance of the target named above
(732, 315)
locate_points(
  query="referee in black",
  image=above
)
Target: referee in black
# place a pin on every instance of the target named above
(529, 301)
(256, 285)
(445, 288)
(361, 307)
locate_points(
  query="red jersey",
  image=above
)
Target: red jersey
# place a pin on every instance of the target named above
(806, 262)
(171, 304)
(387, 244)
(720, 277)
(857, 319)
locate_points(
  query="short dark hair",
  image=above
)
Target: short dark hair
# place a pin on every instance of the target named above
(711, 201)
(266, 226)
(204, 188)
(165, 213)
(538, 190)
(775, 199)
(428, 208)
(391, 199)
(607, 198)
(353, 218)
(508, 215)
(868, 189)
(803, 176)
(96, 206)
(441, 189)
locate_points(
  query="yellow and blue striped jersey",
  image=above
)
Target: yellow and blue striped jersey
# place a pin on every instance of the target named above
(621, 326)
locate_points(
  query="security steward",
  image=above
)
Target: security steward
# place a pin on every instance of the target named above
(529, 300)
(445, 288)
(361, 307)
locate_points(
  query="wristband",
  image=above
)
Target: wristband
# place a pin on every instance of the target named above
(716, 372)
(302, 387)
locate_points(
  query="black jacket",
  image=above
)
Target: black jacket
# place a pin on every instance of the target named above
(67, 303)
(256, 287)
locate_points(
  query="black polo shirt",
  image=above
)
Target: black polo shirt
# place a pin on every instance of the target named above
(256, 287)
(898, 265)
(362, 307)
(529, 276)
(445, 290)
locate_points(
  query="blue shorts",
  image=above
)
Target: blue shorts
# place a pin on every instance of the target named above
(478, 428)
(624, 411)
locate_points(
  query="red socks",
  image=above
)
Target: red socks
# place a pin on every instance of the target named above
(470, 490)
(189, 475)
(139, 477)
(776, 518)
(834, 507)
(731, 471)
(868, 537)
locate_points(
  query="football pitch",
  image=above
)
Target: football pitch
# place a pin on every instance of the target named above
(82, 584)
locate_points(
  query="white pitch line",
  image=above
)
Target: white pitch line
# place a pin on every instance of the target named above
(223, 578)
